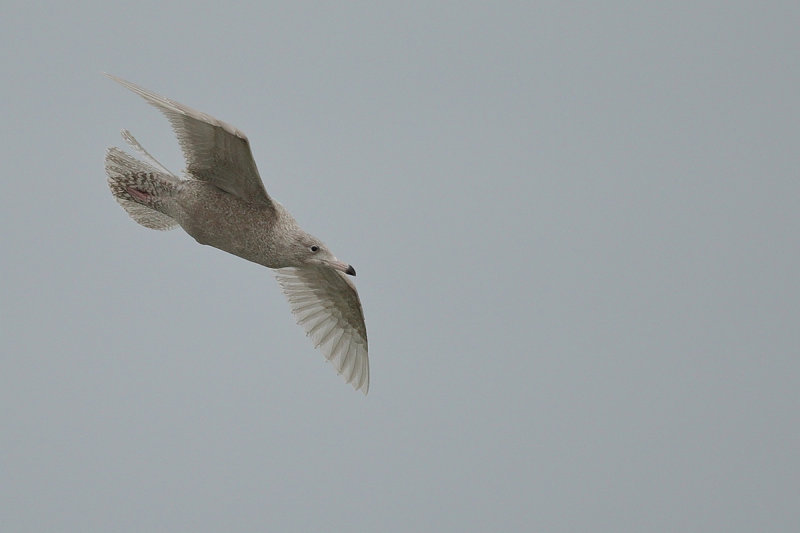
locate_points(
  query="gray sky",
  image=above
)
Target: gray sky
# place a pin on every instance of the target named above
(576, 235)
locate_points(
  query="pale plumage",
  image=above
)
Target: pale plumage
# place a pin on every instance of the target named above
(223, 203)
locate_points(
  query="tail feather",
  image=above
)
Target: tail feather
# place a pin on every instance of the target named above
(126, 172)
(131, 140)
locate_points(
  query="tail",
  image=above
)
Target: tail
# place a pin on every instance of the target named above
(140, 189)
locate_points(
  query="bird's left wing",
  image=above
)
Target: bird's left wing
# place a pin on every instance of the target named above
(215, 151)
(325, 303)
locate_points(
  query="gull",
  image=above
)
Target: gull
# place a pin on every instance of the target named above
(221, 202)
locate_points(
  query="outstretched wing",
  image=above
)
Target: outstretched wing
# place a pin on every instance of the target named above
(215, 151)
(325, 303)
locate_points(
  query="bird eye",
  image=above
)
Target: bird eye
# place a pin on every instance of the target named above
(314, 248)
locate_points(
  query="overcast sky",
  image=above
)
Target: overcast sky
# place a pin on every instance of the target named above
(576, 235)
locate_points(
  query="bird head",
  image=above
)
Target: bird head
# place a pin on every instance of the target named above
(312, 251)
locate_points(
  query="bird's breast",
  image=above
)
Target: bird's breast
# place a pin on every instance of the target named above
(216, 218)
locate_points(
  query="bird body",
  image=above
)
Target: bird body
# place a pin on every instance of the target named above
(223, 203)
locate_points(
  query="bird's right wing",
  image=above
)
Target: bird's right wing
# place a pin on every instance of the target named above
(215, 151)
(325, 303)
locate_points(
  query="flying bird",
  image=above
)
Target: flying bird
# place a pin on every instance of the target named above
(221, 202)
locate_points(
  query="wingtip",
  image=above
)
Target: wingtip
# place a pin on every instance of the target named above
(363, 383)
(125, 83)
(151, 97)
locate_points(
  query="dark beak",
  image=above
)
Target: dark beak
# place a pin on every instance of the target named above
(350, 270)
